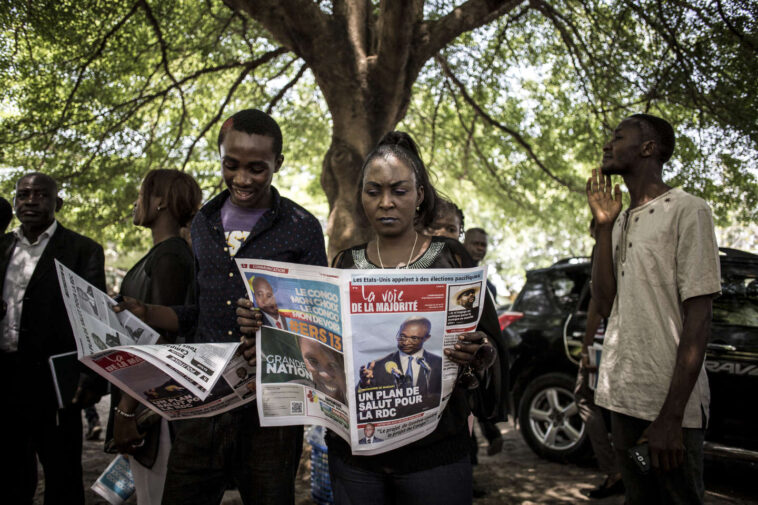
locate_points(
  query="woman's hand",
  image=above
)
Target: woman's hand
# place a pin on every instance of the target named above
(126, 436)
(473, 349)
(249, 320)
(133, 305)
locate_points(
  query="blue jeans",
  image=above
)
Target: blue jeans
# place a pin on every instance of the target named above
(681, 486)
(442, 485)
(210, 453)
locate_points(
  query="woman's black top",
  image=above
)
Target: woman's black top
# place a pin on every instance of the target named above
(164, 276)
(449, 442)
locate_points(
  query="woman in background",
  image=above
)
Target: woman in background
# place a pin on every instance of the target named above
(168, 199)
(447, 222)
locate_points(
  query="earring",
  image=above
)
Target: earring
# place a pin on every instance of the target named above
(159, 208)
(418, 207)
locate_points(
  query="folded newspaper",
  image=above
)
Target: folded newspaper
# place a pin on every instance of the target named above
(359, 351)
(178, 381)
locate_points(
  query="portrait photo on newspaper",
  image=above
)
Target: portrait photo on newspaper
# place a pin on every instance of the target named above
(398, 360)
(464, 301)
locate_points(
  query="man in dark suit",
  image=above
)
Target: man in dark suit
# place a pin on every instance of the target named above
(34, 327)
(265, 300)
(409, 366)
(368, 435)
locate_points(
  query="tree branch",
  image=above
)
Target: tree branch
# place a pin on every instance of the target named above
(219, 112)
(298, 25)
(286, 88)
(96, 54)
(489, 119)
(142, 100)
(355, 15)
(472, 14)
(470, 137)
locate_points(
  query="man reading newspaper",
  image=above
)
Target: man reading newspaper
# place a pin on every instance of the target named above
(247, 220)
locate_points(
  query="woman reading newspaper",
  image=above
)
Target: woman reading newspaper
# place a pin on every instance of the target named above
(167, 201)
(396, 198)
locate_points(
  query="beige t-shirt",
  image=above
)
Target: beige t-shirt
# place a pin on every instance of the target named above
(666, 254)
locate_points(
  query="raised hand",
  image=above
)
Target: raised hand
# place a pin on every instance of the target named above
(367, 374)
(605, 206)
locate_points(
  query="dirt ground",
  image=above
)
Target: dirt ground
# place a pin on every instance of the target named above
(515, 476)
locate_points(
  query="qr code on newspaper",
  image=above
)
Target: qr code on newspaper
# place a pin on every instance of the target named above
(296, 407)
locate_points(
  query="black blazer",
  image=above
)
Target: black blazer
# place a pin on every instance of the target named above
(430, 392)
(45, 329)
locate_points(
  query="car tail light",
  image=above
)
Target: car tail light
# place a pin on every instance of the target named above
(506, 318)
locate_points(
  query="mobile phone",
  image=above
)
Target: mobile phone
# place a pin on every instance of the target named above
(640, 454)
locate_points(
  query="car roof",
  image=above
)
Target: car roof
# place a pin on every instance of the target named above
(728, 255)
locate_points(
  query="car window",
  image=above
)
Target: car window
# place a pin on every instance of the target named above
(566, 288)
(533, 300)
(738, 303)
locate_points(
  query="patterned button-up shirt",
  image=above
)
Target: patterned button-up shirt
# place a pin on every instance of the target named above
(286, 232)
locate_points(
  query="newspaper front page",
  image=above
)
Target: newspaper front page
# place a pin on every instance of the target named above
(359, 351)
(177, 380)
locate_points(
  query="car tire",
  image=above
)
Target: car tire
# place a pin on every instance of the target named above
(549, 419)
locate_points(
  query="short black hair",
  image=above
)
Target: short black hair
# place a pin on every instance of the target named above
(253, 121)
(658, 130)
(476, 230)
(6, 214)
(402, 146)
(46, 179)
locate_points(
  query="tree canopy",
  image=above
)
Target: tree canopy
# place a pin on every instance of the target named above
(510, 101)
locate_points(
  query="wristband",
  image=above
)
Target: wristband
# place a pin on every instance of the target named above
(124, 414)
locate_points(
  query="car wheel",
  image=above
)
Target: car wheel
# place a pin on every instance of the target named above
(549, 419)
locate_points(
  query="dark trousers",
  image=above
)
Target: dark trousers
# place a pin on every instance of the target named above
(594, 423)
(441, 485)
(682, 486)
(93, 418)
(59, 449)
(209, 454)
(34, 428)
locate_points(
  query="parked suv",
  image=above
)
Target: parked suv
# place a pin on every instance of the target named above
(545, 349)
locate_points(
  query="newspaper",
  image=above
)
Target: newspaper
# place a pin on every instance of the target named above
(177, 381)
(595, 353)
(116, 483)
(335, 347)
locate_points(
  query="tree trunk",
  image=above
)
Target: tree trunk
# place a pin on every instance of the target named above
(365, 59)
(353, 137)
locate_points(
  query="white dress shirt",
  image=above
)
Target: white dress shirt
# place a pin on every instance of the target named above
(21, 266)
(415, 366)
(274, 320)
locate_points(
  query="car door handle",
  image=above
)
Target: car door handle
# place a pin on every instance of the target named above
(721, 347)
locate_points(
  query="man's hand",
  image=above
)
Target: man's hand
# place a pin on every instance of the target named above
(585, 362)
(133, 305)
(249, 320)
(664, 437)
(605, 206)
(367, 375)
